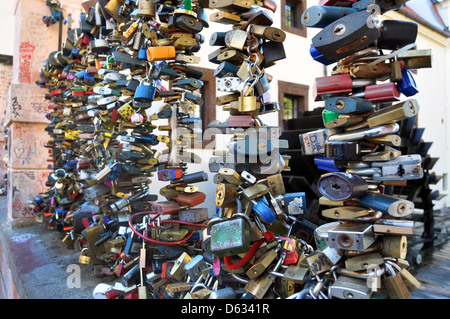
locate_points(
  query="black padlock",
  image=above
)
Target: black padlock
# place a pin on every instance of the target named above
(272, 51)
(396, 34)
(346, 36)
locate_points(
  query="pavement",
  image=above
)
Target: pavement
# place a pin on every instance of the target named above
(36, 264)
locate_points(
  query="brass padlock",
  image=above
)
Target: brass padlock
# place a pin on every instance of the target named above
(394, 284)
(261, 264)
(178, 270)
(226, 195)
(84, 258)
(230, 175)
(260, 285)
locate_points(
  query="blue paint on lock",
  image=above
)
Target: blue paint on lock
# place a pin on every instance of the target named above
(407, 85)
(317, 56)
(327, 164)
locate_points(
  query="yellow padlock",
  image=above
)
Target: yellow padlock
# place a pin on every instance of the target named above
(84, 258)
(160, 53)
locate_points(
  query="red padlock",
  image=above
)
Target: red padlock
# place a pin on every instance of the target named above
(240, 121)
(191, 199)
(382, 93)
(165, 271)
(335, 84)
(112, 294)
(291, 258)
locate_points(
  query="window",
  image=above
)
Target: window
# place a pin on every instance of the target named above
(293, 99)
(290, 18)
(290, 107)
(291, 13)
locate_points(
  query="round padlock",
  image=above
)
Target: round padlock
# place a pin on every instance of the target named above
(137, 119)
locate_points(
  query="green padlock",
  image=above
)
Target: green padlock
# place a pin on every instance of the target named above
(230, 237)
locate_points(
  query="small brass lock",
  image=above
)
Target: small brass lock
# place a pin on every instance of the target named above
(84, 258)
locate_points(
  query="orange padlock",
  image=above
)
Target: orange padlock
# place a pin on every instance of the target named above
(160, 53)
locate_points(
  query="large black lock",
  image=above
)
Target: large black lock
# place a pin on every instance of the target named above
(346, 36)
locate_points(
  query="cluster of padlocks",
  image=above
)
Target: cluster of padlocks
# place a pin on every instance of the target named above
(107, 87)
(359, 146)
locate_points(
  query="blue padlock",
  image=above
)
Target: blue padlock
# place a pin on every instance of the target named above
(165, 114)
(151, 139)
(89, 78)
(264, 211)
(394, 206)
(80, 74)
(116, 173)
(71, 165)
(295, 203)
(225, 68)
(142, 55)
(326, 164)
(145, 93)
(407, 85)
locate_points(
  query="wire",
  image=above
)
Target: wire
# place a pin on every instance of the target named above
(162, 222)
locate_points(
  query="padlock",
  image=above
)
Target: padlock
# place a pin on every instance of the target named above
(382, 5)
(345, 212)
(390, 31)
(191, 200)
(230, 237)
(344, 151)
(313, 142)
(321, 16)
(144, 93)
(393, 206)
(195, 267)
(260, 285)
(161, 53)
(166, 207)
(364, 262)
(261, 264)
(394, 246)
(346, 287)
(84, 258)
(345, 105)
(394, 113)
(178, 270)
(351, 237)
(346, 35)
(394, 284)
(230, 5)
(394, 226)
(146, 8)
(342, 186)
